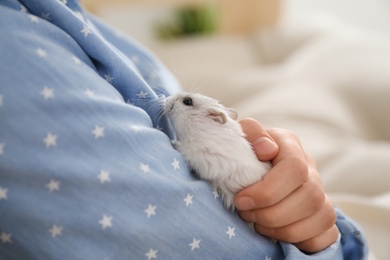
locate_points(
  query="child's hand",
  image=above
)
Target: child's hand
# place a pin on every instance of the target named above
(289, 204)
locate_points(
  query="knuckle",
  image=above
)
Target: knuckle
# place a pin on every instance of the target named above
(290, 133)
(287, 234)
(284, 132)
(317, 199)
(268, 195)
(300, 168)
(319, 242)
(292, 136)
(331, 217)
(268, 232)
(311, 160)
(334, 233)
(268, 219)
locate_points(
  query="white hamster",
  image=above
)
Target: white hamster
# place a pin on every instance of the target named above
(213, 143)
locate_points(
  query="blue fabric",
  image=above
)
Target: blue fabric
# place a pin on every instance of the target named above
(87, 170)
(352, 239)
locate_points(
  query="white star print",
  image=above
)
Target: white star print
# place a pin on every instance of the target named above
(47, 93)
(3, 193)
(45, 16)
(5, 238)
(64, 2)
(76, 60)
(135, 128)
(106, 222)
(144, 168)
(175, 164)
(33, 18)
(56, 231)
(23, 9)
(134, 58)
(108, 78)
(230, 232)
(150, 210)
(188, 199)
(1, 100)
(98, 132)
(104, 176)
(50, 140)
(151, 254)
(268, 258)
(195, 244)
(142, 94)
(41, 53)
(2, 146)
(86, 30)
(53, 185)
(79, 15)
(89, 93)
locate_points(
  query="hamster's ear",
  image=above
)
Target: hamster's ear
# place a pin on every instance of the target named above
(217, 115)
(233, 114)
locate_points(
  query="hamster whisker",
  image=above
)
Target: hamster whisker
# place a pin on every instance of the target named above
(157, 107)
(160, 114)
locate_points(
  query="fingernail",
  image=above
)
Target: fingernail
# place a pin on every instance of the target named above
(245, 203)
(264, 146)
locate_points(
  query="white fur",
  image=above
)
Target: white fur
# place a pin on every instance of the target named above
(216, 150)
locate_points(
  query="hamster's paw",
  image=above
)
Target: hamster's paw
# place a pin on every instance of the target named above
(176, 144)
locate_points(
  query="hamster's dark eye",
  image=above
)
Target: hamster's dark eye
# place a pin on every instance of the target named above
(187, 101)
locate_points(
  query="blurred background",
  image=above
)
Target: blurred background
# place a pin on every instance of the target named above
(320, 68)
(234, 35)
(140, 17)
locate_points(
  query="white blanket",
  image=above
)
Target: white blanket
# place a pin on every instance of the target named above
(328, 83)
